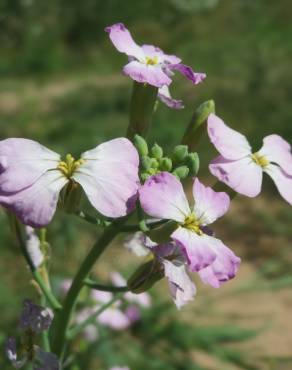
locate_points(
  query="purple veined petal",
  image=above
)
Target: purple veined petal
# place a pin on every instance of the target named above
(229, 143)
(123, 41)
(33, 246)
(209, 204)
(163, 196)
(22, 162)
(181, 287)
(114, 318)
(282, 181)
(45, 360)
(11, 354)
(109, 177)
(165, 97)
(196, 247)
(243, 175)
(150, 74)
(277, 150)
(35, 318)
(188, 72)
(36, 205)
(223, 268)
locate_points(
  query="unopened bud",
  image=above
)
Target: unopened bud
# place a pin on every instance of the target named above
(145, 176)
(145, 277)
(165, 164)
(181, 172)
(156, 151)
(193, 163)
(154, 163)
(146, 163)
(180, 153)
(141, 145)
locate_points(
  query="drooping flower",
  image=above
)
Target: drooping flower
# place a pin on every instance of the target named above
(163, 196)
(35, 318)
(32, 176)
(173, 263)
(149, 64)
(241, 169)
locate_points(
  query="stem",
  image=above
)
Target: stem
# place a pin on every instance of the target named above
(78, 328)
(93, 220)
(105, 288)
(64, 317)
(136, 227)
(35, 272)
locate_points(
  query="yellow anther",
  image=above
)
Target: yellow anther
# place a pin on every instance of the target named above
(260, 160)
(151, 61)
(191, 223)
(70, 165)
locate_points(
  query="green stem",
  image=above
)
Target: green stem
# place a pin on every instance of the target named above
(105, 288)
(78, 328)
(63, 318)
(137, 227)
(53, 302)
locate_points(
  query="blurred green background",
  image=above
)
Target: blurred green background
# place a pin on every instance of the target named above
(61, 84)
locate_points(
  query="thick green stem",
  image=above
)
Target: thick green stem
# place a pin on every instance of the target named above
(142, 106)
(64, 316)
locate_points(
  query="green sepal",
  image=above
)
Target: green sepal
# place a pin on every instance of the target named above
(157, 151)
(165, 164)
(180, 153)
(193, 163)
(181, 172)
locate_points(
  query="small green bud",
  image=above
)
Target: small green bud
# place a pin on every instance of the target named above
(152, 171)
(146, 163)
(141, 145)
(145, 176)
(154, 163)
(181, 172)
(165, 164)
(156, 151)
(145, 277)
(193, 163)
(180, 153)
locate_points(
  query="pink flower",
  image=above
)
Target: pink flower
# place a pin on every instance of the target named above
(32, 176)
(163, 196)
(241, 169)
(149, 64)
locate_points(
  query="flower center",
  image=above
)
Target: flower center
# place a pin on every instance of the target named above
(70, 165)
(260, 160)
(151, 61)
(193, 224)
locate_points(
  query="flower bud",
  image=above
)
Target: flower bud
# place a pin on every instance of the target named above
(145, 277)
(154, 163)
(165, 164)
(180, 153)
(193, 163)
(146, 163)
(145, 176)
(156, 151)
(141, 145)
(181, 172)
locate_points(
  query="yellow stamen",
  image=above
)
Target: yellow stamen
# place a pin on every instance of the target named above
(151, 61)
(70, 165)
(191, 223)
(260, 160)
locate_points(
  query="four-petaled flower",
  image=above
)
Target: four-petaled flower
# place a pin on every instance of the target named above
(241, 169)
(149, 64)
(32, 176)
(163, 196)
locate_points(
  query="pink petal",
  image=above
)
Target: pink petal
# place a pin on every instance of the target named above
(282, 180)
(243, 175)
(151, 74)
(36, 205)
(182, 288)
(109, 177)
(277, 150)
(123, 41)
(153, 51)
(163, 196)
(22, 162)
(188, 72)
(114, 318)
(223, 268)
(229, 143)
(209, 204)
(196, 247)
(165, 97)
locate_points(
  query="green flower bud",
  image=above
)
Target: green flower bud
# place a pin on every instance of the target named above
(145, 176)
(146, 163)
(141, 145)
(152, 171)
(181, 172)
(145, 277)
(193, 163)
(165, 164)
(154, 163)
(180, 153)
(156, 151)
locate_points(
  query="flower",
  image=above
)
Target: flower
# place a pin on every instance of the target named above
(33, 247)
(163, 196)
(32, 176)
(35, 318)
(173, 263)
(241, 169)
(149, 64)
